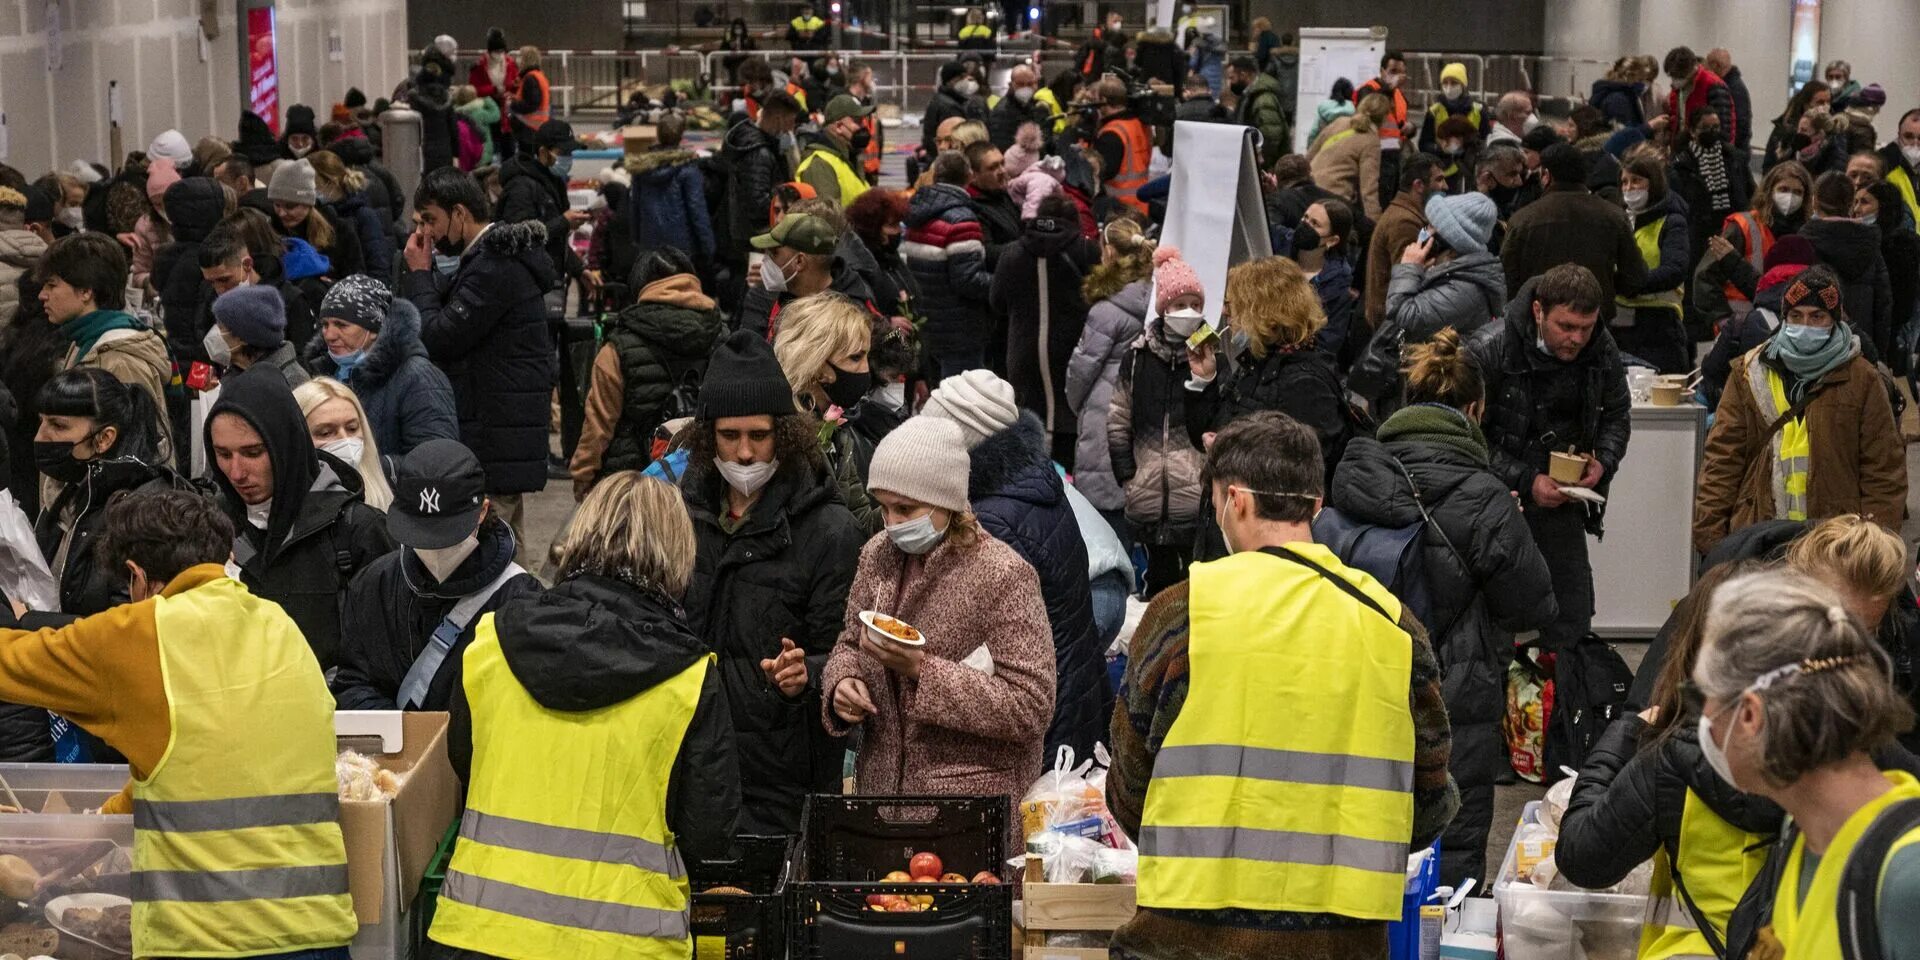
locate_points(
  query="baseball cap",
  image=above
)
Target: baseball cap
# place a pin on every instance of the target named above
(844, 106)
(799, 231)
(438, 490)
(556, 134)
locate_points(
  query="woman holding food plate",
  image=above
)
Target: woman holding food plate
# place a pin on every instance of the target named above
(946, 661)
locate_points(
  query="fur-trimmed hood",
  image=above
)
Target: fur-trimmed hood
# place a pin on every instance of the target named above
(649, 161)
(512, 239)
(1014, 463)
(398, 341)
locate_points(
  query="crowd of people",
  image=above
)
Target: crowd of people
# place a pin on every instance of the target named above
(285, 423)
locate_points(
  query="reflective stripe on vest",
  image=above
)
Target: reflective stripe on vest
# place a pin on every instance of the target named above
(807, 24)
(1794, 455)
(851, 184)
(972, 31)
(1759, 239)
(1719, 862)
(1647, 238)
(1251, 808)
(1904, 184)
(239, 858)
(1336, 138)
(585, 867)
(1810, 929)
(1440, 113)
(541, 113)
(1124, 184)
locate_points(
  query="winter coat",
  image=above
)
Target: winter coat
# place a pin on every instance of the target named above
(194, 207)
(1703, 220)
(529, 191)
(1852, 249)
(1348, 167)
(1568, 224)
(484, 113)
(393, 607)
(945, 246)
(1201, 108)
(946, 103)
(1618, 101)
(999, 220)
(1532, 396)
(954, 730)
(1299, 382)
(79, 515)
(1043, 322)
(757, 166)
(1671, 272)
(668, 204)
(1628, 801)
(1742, 113)
(1153, 454)
(1093, 377)
(592, 642)
(1858, 461)
(486, 329)
(1327, 112)
(782, 574)
(345, 255)
(136, 357)
(485, 89)
(1399, 225)
(439, 124)
(373, 231)
(20, 251)
(1736, 339)
(1333, 286)
(760, 310)
(1706, 91)
(1463, 294)
(1157, 57)
(650, 350)
(1022, 502)
(1262, 108)
(319, 532)
(286, 359)
(1006, 117)
(1830, 154)
(1487, 578)
(407, 399)
(383, 189)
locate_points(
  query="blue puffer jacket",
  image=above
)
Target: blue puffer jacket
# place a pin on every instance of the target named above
(945, 247)
(376, 243)
(669, 204)
(408, 400)
(1022, 502)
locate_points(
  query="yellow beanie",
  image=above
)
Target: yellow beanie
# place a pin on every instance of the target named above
(1457, 72)
(10, 197)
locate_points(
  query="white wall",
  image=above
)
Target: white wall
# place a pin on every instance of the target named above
(167, 76)
(1877, 36)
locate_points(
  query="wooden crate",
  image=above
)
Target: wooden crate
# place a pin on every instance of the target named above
(1070, 907)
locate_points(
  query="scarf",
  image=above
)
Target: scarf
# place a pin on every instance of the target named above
(1808, 367)
(497, 71)
(83, 332)
(1713, 172)
(1440, 425)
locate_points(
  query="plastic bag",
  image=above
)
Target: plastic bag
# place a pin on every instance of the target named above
(1554, 806)
(24, 575)
(1063, 795)
(1525, 723)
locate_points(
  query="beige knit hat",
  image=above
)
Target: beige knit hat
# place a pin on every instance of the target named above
(978, 400)
(925, 459)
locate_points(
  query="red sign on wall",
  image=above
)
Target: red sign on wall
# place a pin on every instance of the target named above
(263, 69)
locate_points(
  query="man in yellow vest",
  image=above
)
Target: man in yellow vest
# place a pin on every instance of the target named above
(593, 735)
(1453, 102)
(1902, 159)
(832, 162)
(808, 32)
(224, 717)
(1275, 818)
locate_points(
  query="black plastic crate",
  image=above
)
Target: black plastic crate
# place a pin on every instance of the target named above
(733, 927)
(850, 839)
(835, 921)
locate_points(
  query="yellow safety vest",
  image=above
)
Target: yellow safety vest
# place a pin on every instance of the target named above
(807, 24)
(1719, 862)
(237, 858)
(1439, 113)
(1810, 929)
(1904, 184)
(1795, 458)
(578, 863)
(1647, 238)
(1060, 120)
(852, 184)
(1289, 784)
(971, 31)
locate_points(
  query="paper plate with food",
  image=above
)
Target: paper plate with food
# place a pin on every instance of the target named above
(102, 919)
(886, 629)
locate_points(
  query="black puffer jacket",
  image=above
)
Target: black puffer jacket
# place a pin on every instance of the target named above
(757, 166)
(79, 513)
(760, 310)
(383, 190)
(407, 399)
(1494, 586)
(486, 328)
(393, 607)
(1535, 403)
(946, 103)
(1043, 323)
(1300, 383)
(1022, 502)
(25, 736)
(194, 207)
(1004, 120)
(530, 192)
(319, 533)
(946, 249)
(783, 574)
(592, 642)
(659, 345)
(1852, 249)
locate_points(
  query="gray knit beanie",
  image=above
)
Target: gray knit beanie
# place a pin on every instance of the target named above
(254, 314)
(358, 299)
(978, 400)
(293, 183)
(924, 459)
(1465, 221)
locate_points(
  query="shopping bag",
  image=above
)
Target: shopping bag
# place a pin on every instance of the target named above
(23, 571)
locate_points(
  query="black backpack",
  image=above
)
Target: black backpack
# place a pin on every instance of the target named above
(1591, 682)
(1391, 555)
(1859, 902)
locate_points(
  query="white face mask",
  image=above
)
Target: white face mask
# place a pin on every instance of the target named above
(215, 343)
(1023, 94)
(773, 279)
(967, 87)
(73, 217)
(1786, 202)
(891, 395)
(443, 562)
(1184, 321)
(1911, 151)
(1714, 754)
(746, 478)
(1636, 199)
(916, 536)
(347, 449)
(1533, 120)
(1452, 91)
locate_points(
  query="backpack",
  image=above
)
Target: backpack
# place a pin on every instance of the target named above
(471, 146)
(1590, 686)
(1391, 555)
(1859, 902)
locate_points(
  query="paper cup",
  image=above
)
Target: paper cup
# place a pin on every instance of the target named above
(1566, 467)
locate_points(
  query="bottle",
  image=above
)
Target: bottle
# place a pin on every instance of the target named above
(1433, 916)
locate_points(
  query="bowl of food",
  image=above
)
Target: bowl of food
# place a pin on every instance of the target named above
(885, 629)
(101, 919)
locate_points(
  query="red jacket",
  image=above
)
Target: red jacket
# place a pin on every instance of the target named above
(483, 84)
(1708, 92)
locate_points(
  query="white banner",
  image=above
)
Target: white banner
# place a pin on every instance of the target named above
(1215, 212)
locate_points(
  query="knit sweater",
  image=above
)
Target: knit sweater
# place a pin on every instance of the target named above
(1151, 697)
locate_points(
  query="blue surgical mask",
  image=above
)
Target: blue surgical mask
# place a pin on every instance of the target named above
(562, 165)
(446, 263)
(916, 536)
(1870, 219)
(344, 365)
(1238, 343)
(1804, 339)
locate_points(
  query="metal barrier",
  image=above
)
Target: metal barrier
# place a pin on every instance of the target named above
(596, 81)
(903, 77)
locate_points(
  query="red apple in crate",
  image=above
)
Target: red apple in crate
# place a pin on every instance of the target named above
(898, 876)
(953, 878)
(985, 877)
(925, 864)
(903, 905)
(881, 901)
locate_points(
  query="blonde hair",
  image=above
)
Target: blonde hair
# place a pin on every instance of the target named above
(1853, 552)
(464, 94)
(967, 134)
(632, 528)
(1130, 258)
(813, 331)
(333, 177)
(1373, 110)
(1273, 304)
(315, 393)
(1442, 371)
(529, 57)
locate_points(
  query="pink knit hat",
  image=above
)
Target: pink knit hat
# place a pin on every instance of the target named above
(1173, 279)
(161, 174)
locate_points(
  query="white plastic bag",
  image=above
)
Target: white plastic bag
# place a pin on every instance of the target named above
(23, 571)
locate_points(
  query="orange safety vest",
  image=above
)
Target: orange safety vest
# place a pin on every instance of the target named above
(1396, 111)
(798, 93)
(1123, 184)
(1759, 240)
(871, 123)
(539, 114)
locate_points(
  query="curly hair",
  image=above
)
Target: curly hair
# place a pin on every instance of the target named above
(1271, 302)
(796, 444)
(1128, 257)
(868, 216)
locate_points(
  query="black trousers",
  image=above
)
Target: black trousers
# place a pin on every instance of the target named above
(1658, 337)
(1166, 566)
(1561, 535)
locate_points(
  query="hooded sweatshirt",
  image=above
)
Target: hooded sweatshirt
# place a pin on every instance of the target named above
(1852, 249)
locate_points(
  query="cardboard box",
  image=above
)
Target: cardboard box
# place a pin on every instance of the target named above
(637, 138)
(390, 843)
(1077, 906)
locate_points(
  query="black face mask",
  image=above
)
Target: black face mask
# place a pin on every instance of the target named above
(1237, 88)
(847, 388)
(447, 247)
(860, 140)
(1305, 237)
(55, 459)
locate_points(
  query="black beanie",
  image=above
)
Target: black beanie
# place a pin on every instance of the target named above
(355, 99)
(300, 120)
(496, 40)
(744, 380)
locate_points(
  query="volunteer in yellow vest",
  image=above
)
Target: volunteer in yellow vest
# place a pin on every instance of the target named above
(976, 35)
(832, 163)
(1646, 322)
(1902, 160)
(1646, 791)
(1453, 102)
(596, 747)
(533, 104)
(224, 717)
(1839, 452)
(1124, 144)
(1274, 818)
(1797, 698)
(807, 31)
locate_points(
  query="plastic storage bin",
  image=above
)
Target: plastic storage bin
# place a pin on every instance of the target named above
(1538, 924)
(753, 927)
(72, 851)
